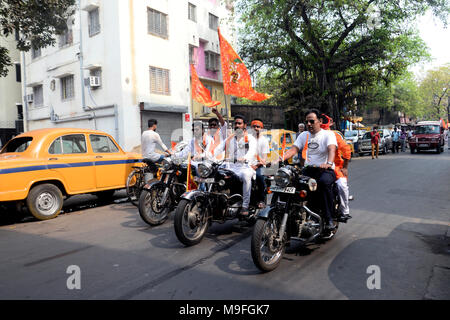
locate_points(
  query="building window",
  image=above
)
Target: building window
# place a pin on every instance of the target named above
(212, 61)
(35, 52)
(18, 72)
(213, 22)
(159, 81)
(192, 57)
(94, 22)
(38, 96)
(67, 88)
(66, 38)
(192, 12)
(157, 23)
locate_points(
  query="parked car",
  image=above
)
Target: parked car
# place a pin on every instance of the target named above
(41, 167)
(352, 137)
(384, 144)
(275, 138)
(427, 135)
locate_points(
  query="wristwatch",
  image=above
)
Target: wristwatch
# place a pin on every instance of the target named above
(330, 163)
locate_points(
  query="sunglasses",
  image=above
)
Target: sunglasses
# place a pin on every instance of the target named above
(213, 125)
(256, 126)
(311, 121)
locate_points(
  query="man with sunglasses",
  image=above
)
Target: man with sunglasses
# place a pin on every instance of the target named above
(319, 148)
(240, 149)
(263, 149)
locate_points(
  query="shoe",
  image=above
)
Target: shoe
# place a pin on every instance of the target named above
(261, 205)
(344, 218)
(350, 197)
(330, 226)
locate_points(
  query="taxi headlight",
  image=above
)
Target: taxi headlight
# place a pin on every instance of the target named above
(204, 169)
(312, 184)
(282, 178)
(167, 164)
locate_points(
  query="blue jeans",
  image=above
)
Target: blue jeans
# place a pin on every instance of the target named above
(261, 196)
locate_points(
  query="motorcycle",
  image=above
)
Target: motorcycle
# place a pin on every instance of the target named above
(160, 197)
(219, 201)
(294, 214)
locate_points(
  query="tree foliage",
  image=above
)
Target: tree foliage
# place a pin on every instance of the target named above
(326, 53)
(434, 93)
(37, 21)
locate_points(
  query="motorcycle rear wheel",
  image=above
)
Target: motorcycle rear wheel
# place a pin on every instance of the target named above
(266, 254)
(150, 209)
(190, 222)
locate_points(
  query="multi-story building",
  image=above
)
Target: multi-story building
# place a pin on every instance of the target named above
(133, 66)
(10, 94)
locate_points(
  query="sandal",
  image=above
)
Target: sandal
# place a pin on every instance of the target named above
(261, 205)
(244, 212)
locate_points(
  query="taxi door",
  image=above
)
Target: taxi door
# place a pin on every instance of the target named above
(69, 157)
(110, 162)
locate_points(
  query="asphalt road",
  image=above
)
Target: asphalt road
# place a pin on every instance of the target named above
(400, 225)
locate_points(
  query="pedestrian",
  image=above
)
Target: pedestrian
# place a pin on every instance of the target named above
(301, 128)
(374, 139)
(150, 138)
(395, 140)
(403, 139)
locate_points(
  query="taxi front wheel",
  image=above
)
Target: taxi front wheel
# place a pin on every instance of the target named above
(45, 201)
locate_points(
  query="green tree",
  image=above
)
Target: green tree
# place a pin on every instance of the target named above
(37, 21)
(434, 93)
(324, 54)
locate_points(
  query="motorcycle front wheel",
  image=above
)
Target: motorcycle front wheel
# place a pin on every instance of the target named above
(151, 207)
(267, 251)
(190, 222)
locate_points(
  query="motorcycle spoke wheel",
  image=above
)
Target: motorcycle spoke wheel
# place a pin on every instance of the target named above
(266, 250)
(190, 222)
(147, 212)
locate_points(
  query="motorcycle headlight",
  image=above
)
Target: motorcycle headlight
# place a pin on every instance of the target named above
(167, 164)
(282, 178)
(204, 169)
(312, 184)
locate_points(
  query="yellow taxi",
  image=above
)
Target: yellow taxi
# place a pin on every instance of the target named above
(40, 167)
(275, 138)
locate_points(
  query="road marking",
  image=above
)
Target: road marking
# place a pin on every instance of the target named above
(56, 256)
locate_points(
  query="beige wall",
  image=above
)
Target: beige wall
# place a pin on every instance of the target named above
(10, 89)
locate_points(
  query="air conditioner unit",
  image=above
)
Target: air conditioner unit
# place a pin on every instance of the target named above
(94, 82)
(30, 98)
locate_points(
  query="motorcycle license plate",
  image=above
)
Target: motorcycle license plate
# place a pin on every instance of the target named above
(201, 180)
(283, 190)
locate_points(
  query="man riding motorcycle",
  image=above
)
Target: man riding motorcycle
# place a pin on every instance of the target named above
(321, 149)
(241, 149)
(341, 160)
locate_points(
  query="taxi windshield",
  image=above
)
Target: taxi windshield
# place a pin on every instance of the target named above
(17, 145)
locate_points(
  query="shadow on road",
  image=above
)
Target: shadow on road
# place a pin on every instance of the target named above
(406, 258)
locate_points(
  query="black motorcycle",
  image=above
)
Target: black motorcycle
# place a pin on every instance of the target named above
(160, 197)
(294, 214)
(220, 200)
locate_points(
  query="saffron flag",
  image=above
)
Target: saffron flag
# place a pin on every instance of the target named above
(283, 147)
(190, 183)
(236, 78)
(199, 92)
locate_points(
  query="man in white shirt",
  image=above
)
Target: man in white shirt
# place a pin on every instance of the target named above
(241, 149)
(321, 148)
(263, 150)
(217, 131)
(149, 140)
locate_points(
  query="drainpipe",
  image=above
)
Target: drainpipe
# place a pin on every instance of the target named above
(83, 99)
(24, 94)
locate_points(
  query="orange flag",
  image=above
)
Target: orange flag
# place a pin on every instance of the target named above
(236, 78)
(199, 92)
(190, 183)
(283, 147)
